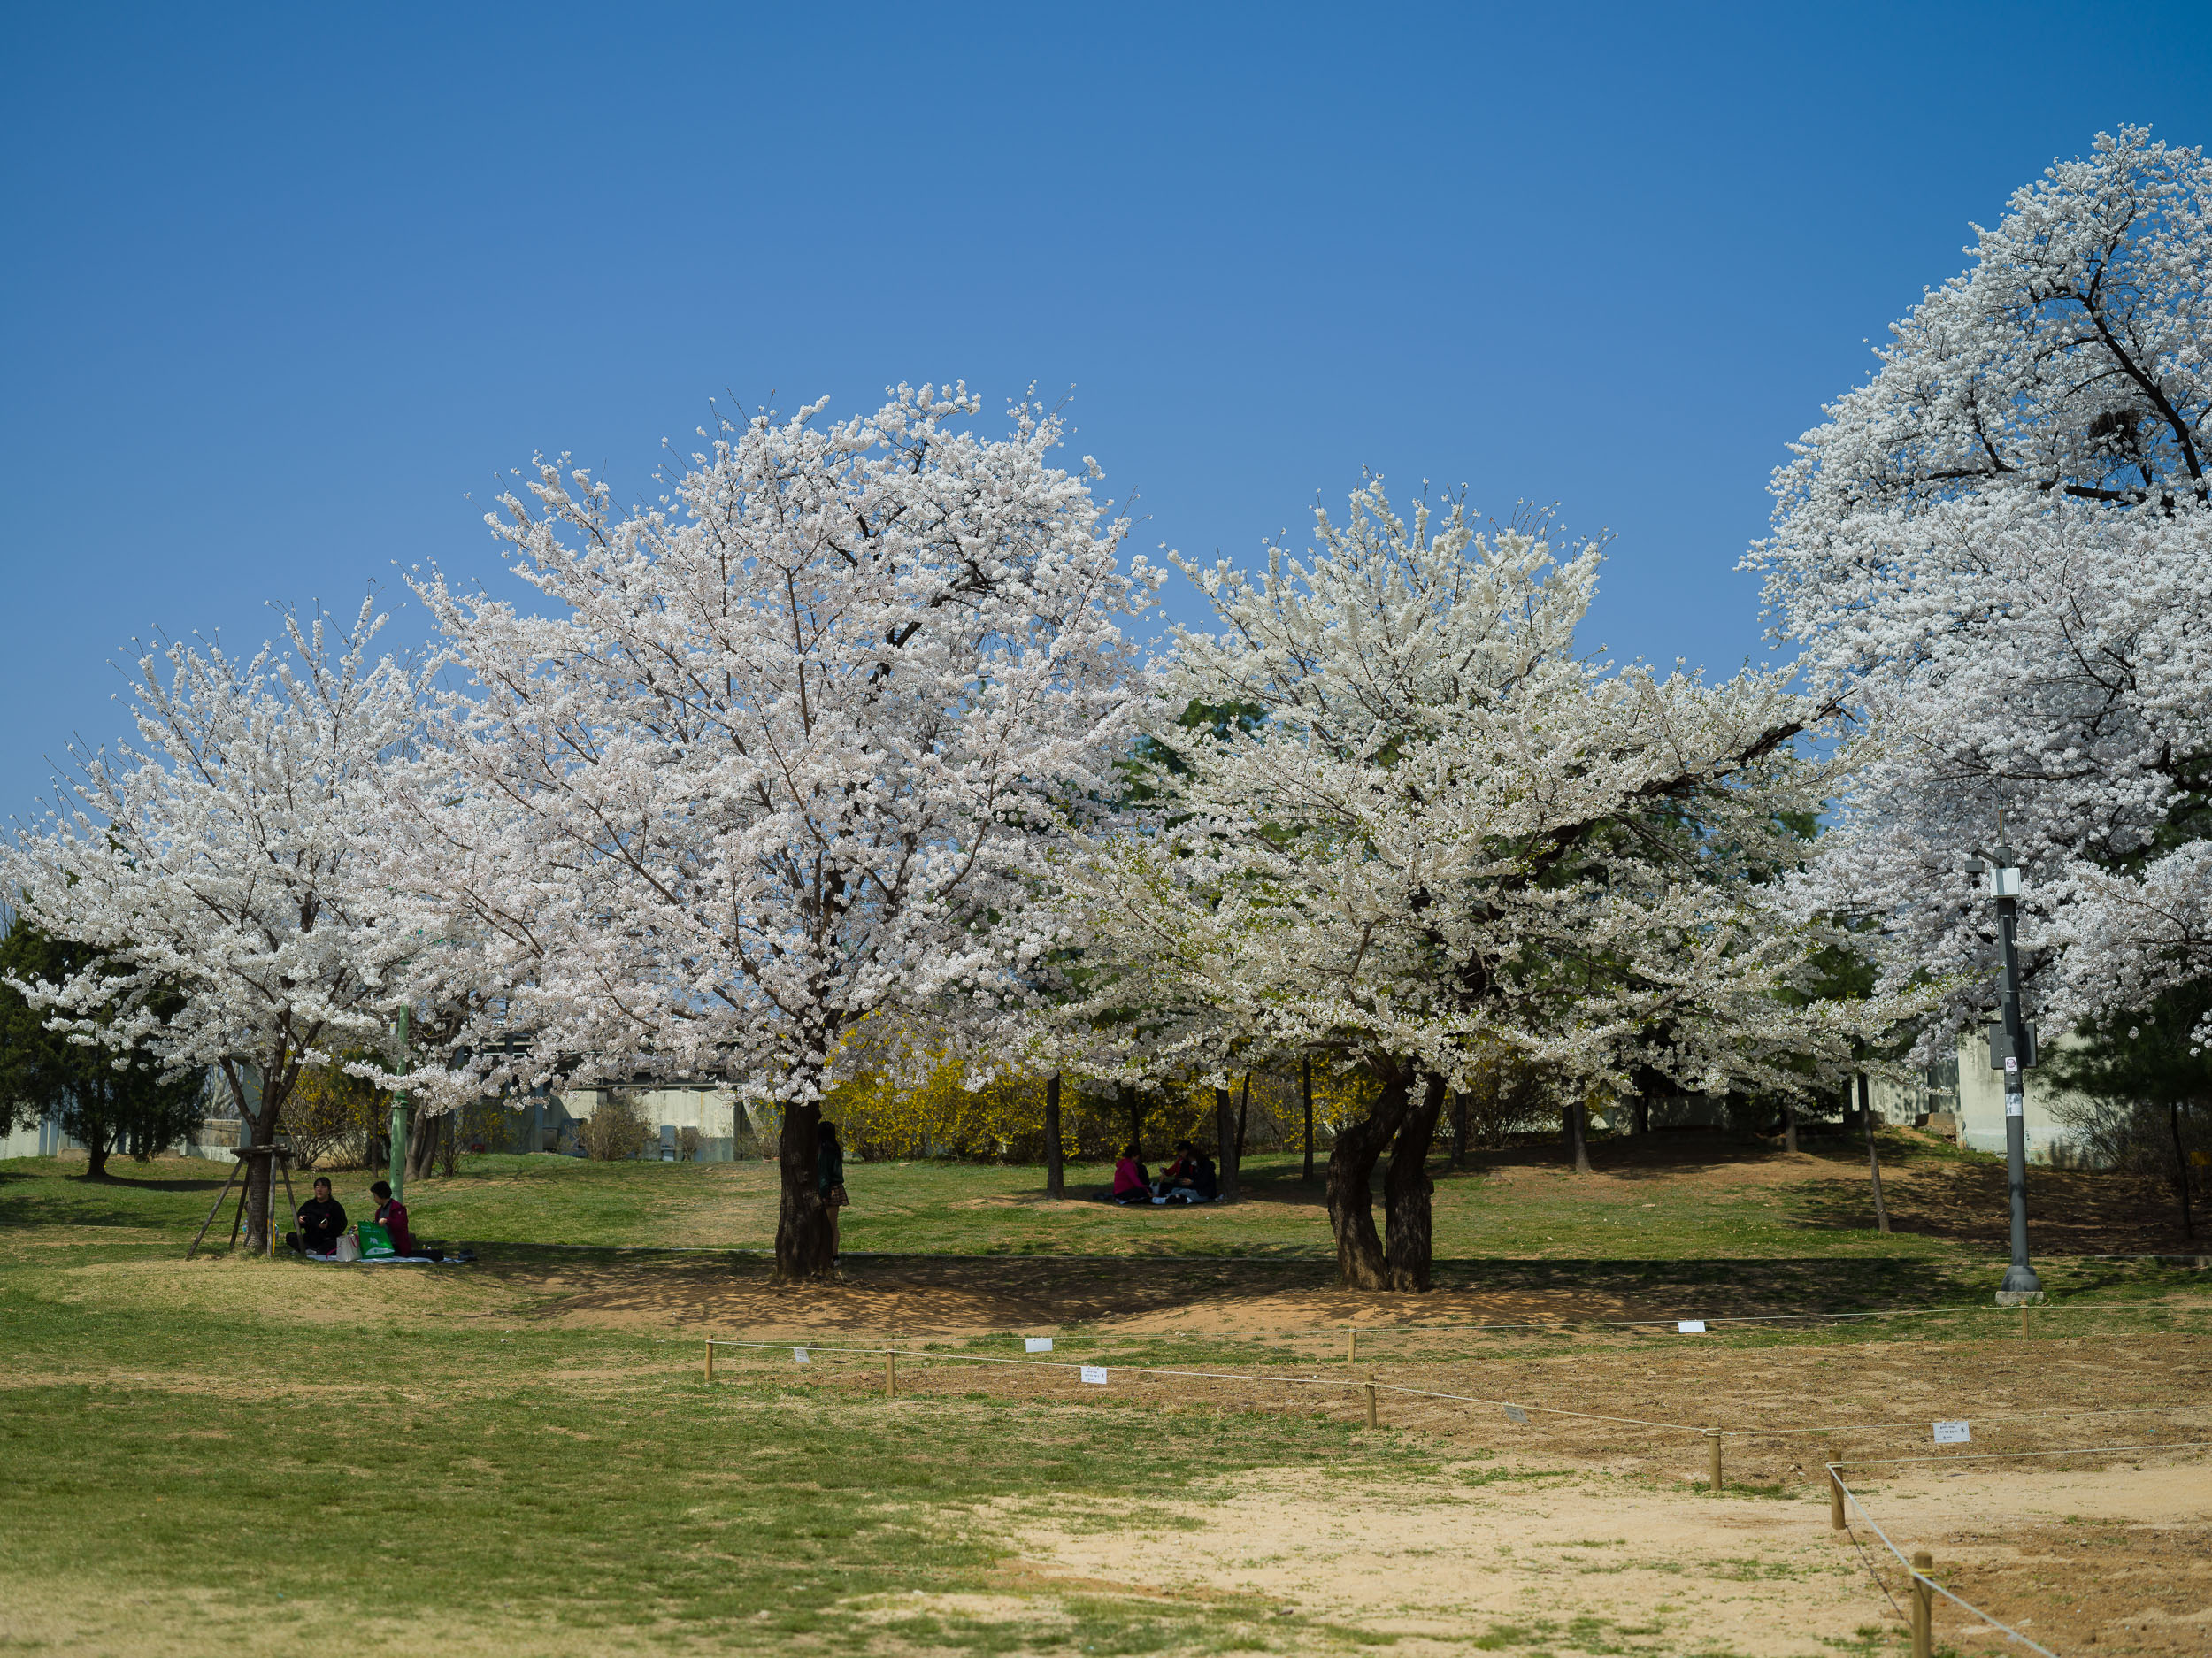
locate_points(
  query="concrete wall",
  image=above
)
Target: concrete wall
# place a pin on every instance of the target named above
(1974, 1105)
(727, 1129)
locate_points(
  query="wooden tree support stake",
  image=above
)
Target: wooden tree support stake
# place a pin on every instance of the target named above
(1835, 1502)
(709, 1360)
(1712, 1440)
(890, 1376)
(216, 1210)
(1923, 1607)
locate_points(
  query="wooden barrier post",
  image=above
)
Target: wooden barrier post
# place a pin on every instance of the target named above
(1835, 1502)
(890, 1376)
(1923, 1608)
(1371, 1402)
(1351, 1347)
(1712, 1440)
(2024, 1318)
(709, 1360)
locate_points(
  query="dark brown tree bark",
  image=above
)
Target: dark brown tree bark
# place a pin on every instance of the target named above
(1789, 1125)
(803, 1248)
(1306, 1079)
(1055, 1177)
(95, 1157)
(1136, 1125)
(1407, 1214)
(1225, 1141)
(1642, 1116)
(1578, 1142)
(1244, 1112)
(1359, 1250)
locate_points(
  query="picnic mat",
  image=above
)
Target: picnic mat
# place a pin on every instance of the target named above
(386, 1261)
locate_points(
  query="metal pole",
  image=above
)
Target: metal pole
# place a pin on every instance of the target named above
(399, 1123)
(2020, 1279)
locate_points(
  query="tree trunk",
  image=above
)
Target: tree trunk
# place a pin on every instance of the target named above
(1359, 1251)
(1136, 1127)
(1789, 1125)
(1578, 1141)
(95, 1158)
(1056, 1179)
(422, 1143)
(1405, 1189)
(2181, 1168)
(1306, 1079)
(1641, 1119)
(1873, 1155)
(1225, 1137)
(803, 1249)
(1459, 1129)
(1244, 1112)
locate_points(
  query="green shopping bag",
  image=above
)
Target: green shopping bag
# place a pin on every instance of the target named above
(376, 1242)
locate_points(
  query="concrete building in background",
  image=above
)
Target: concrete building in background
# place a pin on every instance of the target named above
(1963, 1098)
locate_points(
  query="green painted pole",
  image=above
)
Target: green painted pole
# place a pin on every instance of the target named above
(400, 1112)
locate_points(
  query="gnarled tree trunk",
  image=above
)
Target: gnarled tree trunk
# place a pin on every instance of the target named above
(802, 1227)
(1359, 1251)
(1405, 1189)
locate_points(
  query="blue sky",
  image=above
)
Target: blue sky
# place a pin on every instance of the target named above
(285, 286)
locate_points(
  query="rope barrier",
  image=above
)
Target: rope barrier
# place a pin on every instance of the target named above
(1424, 1393)
(1992, 1456)
(1919, 1576)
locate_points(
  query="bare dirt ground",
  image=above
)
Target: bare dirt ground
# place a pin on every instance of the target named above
(1517, 1555)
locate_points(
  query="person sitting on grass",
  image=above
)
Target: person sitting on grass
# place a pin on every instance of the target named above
(392, 1216)
(1190, 1177)
(321, 1218)
(1177, 1173)
(1130, 1184)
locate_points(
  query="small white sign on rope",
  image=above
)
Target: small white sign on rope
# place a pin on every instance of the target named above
(1514, 1413)
(1952, 1433)
(799, 1356)
(1690, 1327)
(1037, 1344)
(1095, 1374)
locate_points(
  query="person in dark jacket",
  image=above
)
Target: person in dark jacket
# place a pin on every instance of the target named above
(829, 1177)
(321, 1218)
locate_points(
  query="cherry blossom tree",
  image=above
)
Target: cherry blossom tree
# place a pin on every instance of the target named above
(787, 753)
(1999, 552)
(1445, 834)
(228, 867)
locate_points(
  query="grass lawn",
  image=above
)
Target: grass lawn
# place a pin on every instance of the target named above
(1700, 1197)
(253, 1457)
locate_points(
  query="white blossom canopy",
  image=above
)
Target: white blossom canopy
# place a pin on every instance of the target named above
(1411, 820)
(233, 859)
(1999, 551)
(784, 754)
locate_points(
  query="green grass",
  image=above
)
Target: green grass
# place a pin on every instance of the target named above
(247, 1457)
(1734, 1212)
(451, 1489)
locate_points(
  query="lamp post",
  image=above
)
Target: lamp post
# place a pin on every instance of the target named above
(2020, 1284)
(398, 1175)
